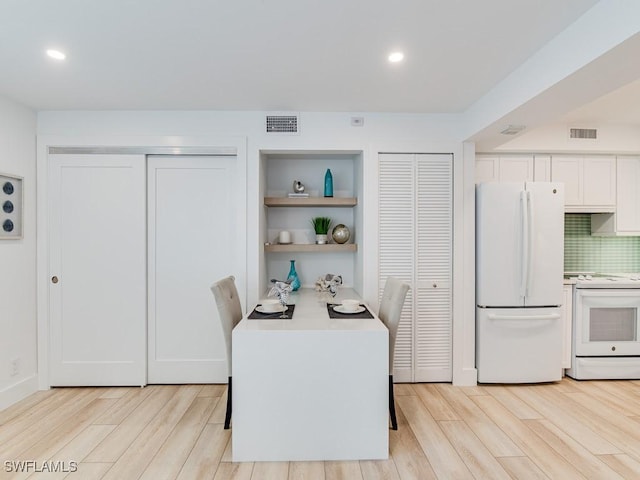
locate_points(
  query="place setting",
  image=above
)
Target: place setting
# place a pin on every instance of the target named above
(348, 308)
(271, 308)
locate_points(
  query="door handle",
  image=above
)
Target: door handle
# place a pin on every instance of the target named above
(550, 316)
(524, 260)
(54, 279)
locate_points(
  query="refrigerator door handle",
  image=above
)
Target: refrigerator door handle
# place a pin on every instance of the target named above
(524, 275)
(530, 247)
(549, 316)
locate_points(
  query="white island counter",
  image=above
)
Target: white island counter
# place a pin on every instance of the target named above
(310, 388)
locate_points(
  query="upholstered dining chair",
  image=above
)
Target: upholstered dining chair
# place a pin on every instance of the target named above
(393, 296)
(230, 310)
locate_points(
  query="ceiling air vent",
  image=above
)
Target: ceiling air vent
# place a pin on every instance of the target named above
(286, 124)
(513, 129)
(591, 133)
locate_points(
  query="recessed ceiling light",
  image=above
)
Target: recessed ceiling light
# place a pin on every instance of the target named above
(57, 54)
(396, 57)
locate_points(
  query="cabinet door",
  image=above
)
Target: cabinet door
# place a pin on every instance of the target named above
(542, 168)
(516, 168)
(504, 168)
(628, 195)
(569, 171)
(487, 169)
(599, 178)
(97, 308)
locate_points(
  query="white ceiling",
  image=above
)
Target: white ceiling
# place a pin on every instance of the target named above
(622, 106)
(300, 55)
(285, 55)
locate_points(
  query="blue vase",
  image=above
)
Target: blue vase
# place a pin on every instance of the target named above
(292, 278)
(328, 184)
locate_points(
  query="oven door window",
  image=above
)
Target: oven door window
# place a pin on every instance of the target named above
(613, 325)
(606, 322)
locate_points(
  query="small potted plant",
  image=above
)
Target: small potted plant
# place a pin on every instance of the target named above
(321, 227)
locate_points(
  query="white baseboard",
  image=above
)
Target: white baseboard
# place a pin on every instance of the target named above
(16, 392)
(467, 377)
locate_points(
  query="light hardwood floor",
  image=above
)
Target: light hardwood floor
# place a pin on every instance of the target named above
(559, 431)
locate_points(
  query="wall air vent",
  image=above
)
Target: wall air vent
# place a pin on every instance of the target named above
(283, 124)
(590, 133)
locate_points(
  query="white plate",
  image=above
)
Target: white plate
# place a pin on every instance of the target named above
(280, 309)
(341, 309)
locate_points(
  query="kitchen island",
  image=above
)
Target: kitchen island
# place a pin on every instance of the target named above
(312, 387)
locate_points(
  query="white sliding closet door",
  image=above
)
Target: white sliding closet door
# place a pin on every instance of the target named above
(97, 289)
(415, 241)
(192, 243)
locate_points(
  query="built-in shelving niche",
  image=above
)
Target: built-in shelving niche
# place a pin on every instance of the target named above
(278, 170)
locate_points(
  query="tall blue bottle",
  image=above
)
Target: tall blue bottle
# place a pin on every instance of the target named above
(328, 184)
(292, 277)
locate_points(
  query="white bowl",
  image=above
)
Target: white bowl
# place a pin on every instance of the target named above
(271, 305)
(350, 304)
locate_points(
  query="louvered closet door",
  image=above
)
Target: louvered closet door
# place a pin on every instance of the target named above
(396, 234)
(433, 305)
(415, 242)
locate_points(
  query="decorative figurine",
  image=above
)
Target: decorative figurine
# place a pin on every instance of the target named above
(281, 290)
(329, 284)
(298, 186)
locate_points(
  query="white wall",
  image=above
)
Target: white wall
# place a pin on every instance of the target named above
(618, 139)
(318, 131)
(18, 258)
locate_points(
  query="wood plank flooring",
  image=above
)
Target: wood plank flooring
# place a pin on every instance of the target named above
(566, 430)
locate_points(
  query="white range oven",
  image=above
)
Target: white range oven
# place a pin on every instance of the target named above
(606, 327)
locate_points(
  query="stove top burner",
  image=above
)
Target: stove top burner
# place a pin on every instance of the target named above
(607, 280)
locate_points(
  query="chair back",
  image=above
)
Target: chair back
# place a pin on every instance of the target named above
(393, 296)
(229, 308)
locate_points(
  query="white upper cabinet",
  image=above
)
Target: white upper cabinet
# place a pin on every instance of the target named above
(628, 196)
(626, 220)
(590, 182)
(504, 168)
(513, 168)
(542, 168)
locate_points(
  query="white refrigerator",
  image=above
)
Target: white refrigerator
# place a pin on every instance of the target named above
(519, 272)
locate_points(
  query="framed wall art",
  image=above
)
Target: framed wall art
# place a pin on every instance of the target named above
(10, 207)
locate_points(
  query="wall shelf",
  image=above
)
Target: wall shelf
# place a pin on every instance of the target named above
(312, 247)
(279, 212)
(311, 202)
